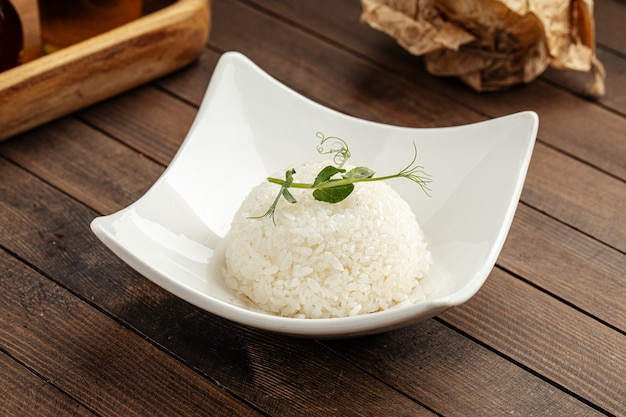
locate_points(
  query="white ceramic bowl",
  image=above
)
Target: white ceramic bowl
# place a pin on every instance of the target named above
(250, 125)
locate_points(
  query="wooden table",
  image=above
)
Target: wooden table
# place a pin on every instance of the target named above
(82, 334)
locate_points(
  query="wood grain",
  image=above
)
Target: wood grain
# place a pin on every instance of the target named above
(150, 121)
(448, 372)
(55, 150)
(611, 14)
(253, 362)
(63, 150)
(586, 358)
(26, 394)
(323, 70)
(578, 195)
(190, 84)
(268, 371)
(151, 301)
(84, 356)
(577, 82)
(562, 261)
(78, 169)
(544, 336)
(103, 66)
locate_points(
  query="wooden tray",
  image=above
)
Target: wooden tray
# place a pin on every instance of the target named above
(82, 74)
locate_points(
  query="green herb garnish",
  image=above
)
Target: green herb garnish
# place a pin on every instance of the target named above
(334, 183)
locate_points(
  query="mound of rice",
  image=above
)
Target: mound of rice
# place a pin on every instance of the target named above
(321, 260)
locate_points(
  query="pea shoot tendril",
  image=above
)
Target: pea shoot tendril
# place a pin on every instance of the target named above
(334, 183)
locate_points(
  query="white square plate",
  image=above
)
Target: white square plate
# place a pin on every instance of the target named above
(249, 125)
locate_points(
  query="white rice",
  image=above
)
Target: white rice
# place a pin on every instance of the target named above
(321, 260)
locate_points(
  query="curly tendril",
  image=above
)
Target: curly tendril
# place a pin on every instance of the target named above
(328, 187)
(339, 148)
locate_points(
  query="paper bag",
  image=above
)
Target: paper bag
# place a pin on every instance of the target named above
(492, 44)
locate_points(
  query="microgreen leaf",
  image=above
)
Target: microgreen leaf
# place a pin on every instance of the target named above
(288, 196)
(284, 192)
(359, 172)
(333, 194)
(326, 174)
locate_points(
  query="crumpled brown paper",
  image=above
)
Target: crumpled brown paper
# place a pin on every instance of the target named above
(493, 44)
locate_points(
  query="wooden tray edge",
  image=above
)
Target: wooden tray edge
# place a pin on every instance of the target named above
(83, 74)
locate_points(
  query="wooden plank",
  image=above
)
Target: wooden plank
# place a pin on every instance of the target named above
(449, 373)
(94, 359)
(26, 394)
(67, 161)
(603, 201)
(273, 358)
(577, 269)
(577, 126)
(558, 258)
(198, 335)
(265, 370)
(536, 330)
(612, 14)
(276, 362)
(148, 120)
(578, 195)
(190, 84)
(536, 352)
(615, 67)
(321, 67)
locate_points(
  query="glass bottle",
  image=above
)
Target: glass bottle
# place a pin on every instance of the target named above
(11, 36)
(64, 23)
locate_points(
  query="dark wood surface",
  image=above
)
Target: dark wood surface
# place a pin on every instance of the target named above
(82, 334)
